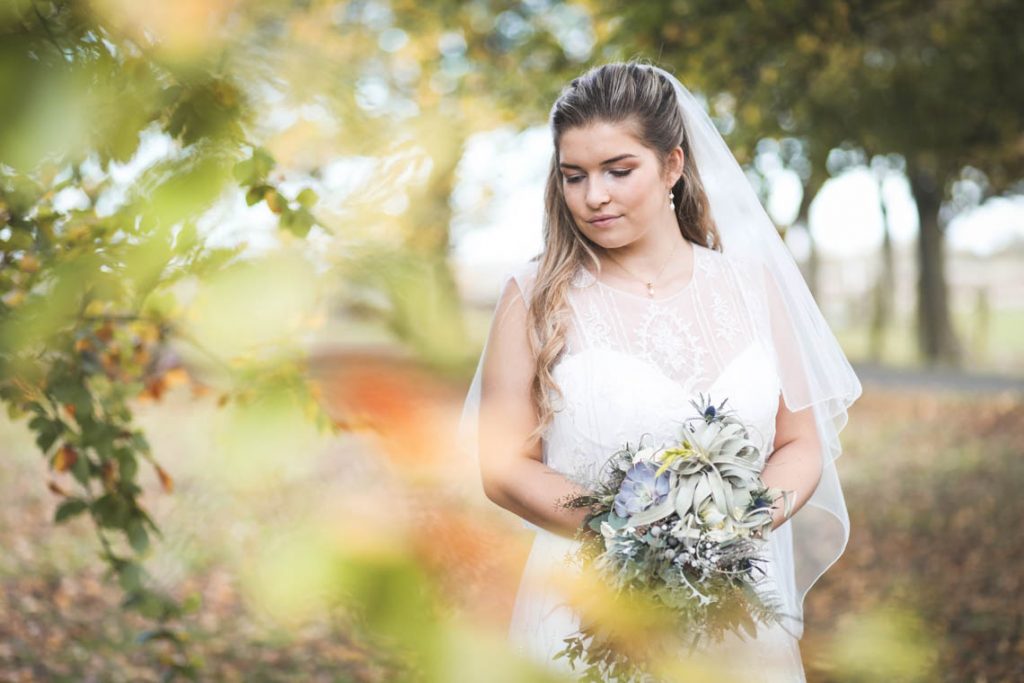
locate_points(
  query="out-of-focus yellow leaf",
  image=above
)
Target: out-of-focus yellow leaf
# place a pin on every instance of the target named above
(254, 307)
(65, 458)
(182, 30)
(165, 479)
(886, 644)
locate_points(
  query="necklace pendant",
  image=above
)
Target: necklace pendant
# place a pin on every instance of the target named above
(650, 289)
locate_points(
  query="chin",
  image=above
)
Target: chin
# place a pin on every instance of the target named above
(612, 240)
(607, 239)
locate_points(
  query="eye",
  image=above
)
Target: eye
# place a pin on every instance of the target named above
(573, 178)
(622, 174)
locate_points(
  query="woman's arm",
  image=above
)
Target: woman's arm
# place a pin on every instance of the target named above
(514, 475)
(795, 464)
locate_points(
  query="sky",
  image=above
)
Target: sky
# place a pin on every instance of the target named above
(499, 206)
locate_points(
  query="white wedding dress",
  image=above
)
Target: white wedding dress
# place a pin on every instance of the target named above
(632, 366)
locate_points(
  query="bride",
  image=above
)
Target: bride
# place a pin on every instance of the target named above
(661, 278)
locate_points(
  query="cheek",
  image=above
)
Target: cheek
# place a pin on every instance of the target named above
(639, 192)
(574, 199)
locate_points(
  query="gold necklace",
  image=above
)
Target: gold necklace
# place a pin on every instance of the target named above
(650, 284)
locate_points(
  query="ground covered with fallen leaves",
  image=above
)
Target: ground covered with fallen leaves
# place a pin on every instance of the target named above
(931, 578)
(928, 589)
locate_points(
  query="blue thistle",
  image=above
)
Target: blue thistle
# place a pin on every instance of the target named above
(707, 410)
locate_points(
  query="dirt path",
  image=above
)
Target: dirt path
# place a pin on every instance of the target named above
(937, 378)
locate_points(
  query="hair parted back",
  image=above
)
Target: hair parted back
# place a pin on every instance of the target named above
(634, 94)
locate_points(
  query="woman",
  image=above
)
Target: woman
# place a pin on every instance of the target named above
(661, 278)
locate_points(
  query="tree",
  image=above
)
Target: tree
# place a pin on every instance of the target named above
(936, 83)
(882, 308)
(90, 314)
(411, 82)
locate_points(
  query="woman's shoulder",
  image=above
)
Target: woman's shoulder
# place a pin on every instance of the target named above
(525, 274)
(710, 262)
(526, 268)
(523, 270)
(737, 261)
(713, 254)
(731, 269)
(522, 275)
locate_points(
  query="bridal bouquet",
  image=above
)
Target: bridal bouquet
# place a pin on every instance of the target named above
(681, 529)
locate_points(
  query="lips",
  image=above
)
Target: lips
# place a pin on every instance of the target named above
(605, 220)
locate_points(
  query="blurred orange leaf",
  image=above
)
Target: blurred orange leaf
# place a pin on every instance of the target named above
(28, 263)
(109, 470)
(153, 390)
(65, 458)
(56, 488)
(176, 377)
(165, 479)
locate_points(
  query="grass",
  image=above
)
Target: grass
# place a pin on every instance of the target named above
(1000, 349)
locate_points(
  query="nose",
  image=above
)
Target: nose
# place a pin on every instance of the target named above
(597, 194)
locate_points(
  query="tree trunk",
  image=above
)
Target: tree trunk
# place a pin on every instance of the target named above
(936, 339)
(803, 218)
(881, 318)
(435, 311)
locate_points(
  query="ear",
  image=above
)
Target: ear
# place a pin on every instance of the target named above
(674, 166)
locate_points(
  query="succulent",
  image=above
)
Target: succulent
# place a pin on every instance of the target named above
(642, 488)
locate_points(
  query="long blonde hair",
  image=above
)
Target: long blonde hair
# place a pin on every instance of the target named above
(631, 93)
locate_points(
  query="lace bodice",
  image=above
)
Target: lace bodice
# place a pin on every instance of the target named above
(633, 364)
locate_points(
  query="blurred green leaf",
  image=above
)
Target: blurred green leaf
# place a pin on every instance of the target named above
(130, 576)
(254, 170)
(137, 536)
(70, 508)
(112, 511)
(307, 198)
(297, 222)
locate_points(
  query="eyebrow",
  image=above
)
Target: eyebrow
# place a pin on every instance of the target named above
(603, 163)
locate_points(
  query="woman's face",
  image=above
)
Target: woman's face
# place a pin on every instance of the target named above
(607, 172)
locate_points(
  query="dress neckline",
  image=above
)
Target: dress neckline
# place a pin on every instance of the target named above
(590, 277)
